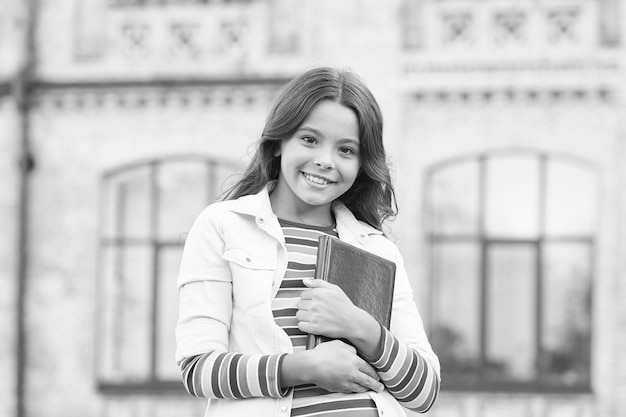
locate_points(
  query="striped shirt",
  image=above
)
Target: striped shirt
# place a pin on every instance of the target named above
(309, 400)
(405, 374)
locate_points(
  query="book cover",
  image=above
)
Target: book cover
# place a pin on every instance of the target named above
(367, 279)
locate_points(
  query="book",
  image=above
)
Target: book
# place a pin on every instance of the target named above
(367, 279)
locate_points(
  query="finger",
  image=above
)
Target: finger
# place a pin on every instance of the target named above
(318, 283)
(368, 370)
(370, 383)
(357, 388)
(305, 326)
(304, 305)
(303, 315)
(306, 294)
(311, 282)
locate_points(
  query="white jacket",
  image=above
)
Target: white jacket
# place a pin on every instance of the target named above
(232, 266)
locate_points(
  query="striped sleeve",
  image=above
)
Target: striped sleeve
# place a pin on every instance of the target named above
(228, 375)
(406, 374)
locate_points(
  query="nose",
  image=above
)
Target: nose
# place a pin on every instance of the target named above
(324, 159)
(323, 165)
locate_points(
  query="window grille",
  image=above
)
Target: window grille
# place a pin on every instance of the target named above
(147, 209)
(511, 255)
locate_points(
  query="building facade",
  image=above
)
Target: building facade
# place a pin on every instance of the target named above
(504, 123)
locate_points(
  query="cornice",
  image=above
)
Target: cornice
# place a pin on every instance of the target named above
(599, 95)
(137, 94)
(247, 92)
(530, 66)
(170, 83)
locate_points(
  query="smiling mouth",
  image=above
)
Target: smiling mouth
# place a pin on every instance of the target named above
(316, 180)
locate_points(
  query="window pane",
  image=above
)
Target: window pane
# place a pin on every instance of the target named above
(512, 196)
(127, 323)
(566, 323)
(511, 311)
(455, 331)
(127, 204)
(109, 287)
(184, 190)
(453, 199)
(571, 199)
(167, 301)
(136, 346)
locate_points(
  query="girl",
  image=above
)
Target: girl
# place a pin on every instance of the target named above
(247, 297)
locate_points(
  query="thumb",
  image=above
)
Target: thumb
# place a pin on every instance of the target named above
(316, 283)
(320, 283)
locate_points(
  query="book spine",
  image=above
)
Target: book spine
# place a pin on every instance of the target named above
(321, 272)
(322, 264)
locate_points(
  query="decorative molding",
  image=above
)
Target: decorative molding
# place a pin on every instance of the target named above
(184, 40)
(563, 25)
(163, 83)
(145, 95)
(225, 36)
(511, 27)
(216, 36)
(557, 95)
(134, 39)
(531, 65)
(458, 27)
(529, 28)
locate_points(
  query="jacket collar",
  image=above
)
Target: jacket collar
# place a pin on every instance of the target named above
(258, 205)
(347, 222)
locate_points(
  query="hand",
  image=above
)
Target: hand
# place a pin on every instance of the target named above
(324, 309)
(339, 369)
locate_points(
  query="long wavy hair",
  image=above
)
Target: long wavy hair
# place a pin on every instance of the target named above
(371, 198)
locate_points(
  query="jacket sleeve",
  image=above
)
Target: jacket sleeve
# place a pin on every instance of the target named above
(405, 361)
(202, 333)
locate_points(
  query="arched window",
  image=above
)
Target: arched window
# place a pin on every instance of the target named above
(146, 210)
(511, 246)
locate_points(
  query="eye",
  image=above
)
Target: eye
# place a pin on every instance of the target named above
(309, 140)
(348, 150)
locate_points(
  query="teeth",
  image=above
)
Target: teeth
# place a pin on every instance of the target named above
(316, 180)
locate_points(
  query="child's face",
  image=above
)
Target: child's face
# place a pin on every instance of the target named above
(320, 162)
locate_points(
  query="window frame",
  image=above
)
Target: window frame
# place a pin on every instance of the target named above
(485, 242)
(150, 382)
